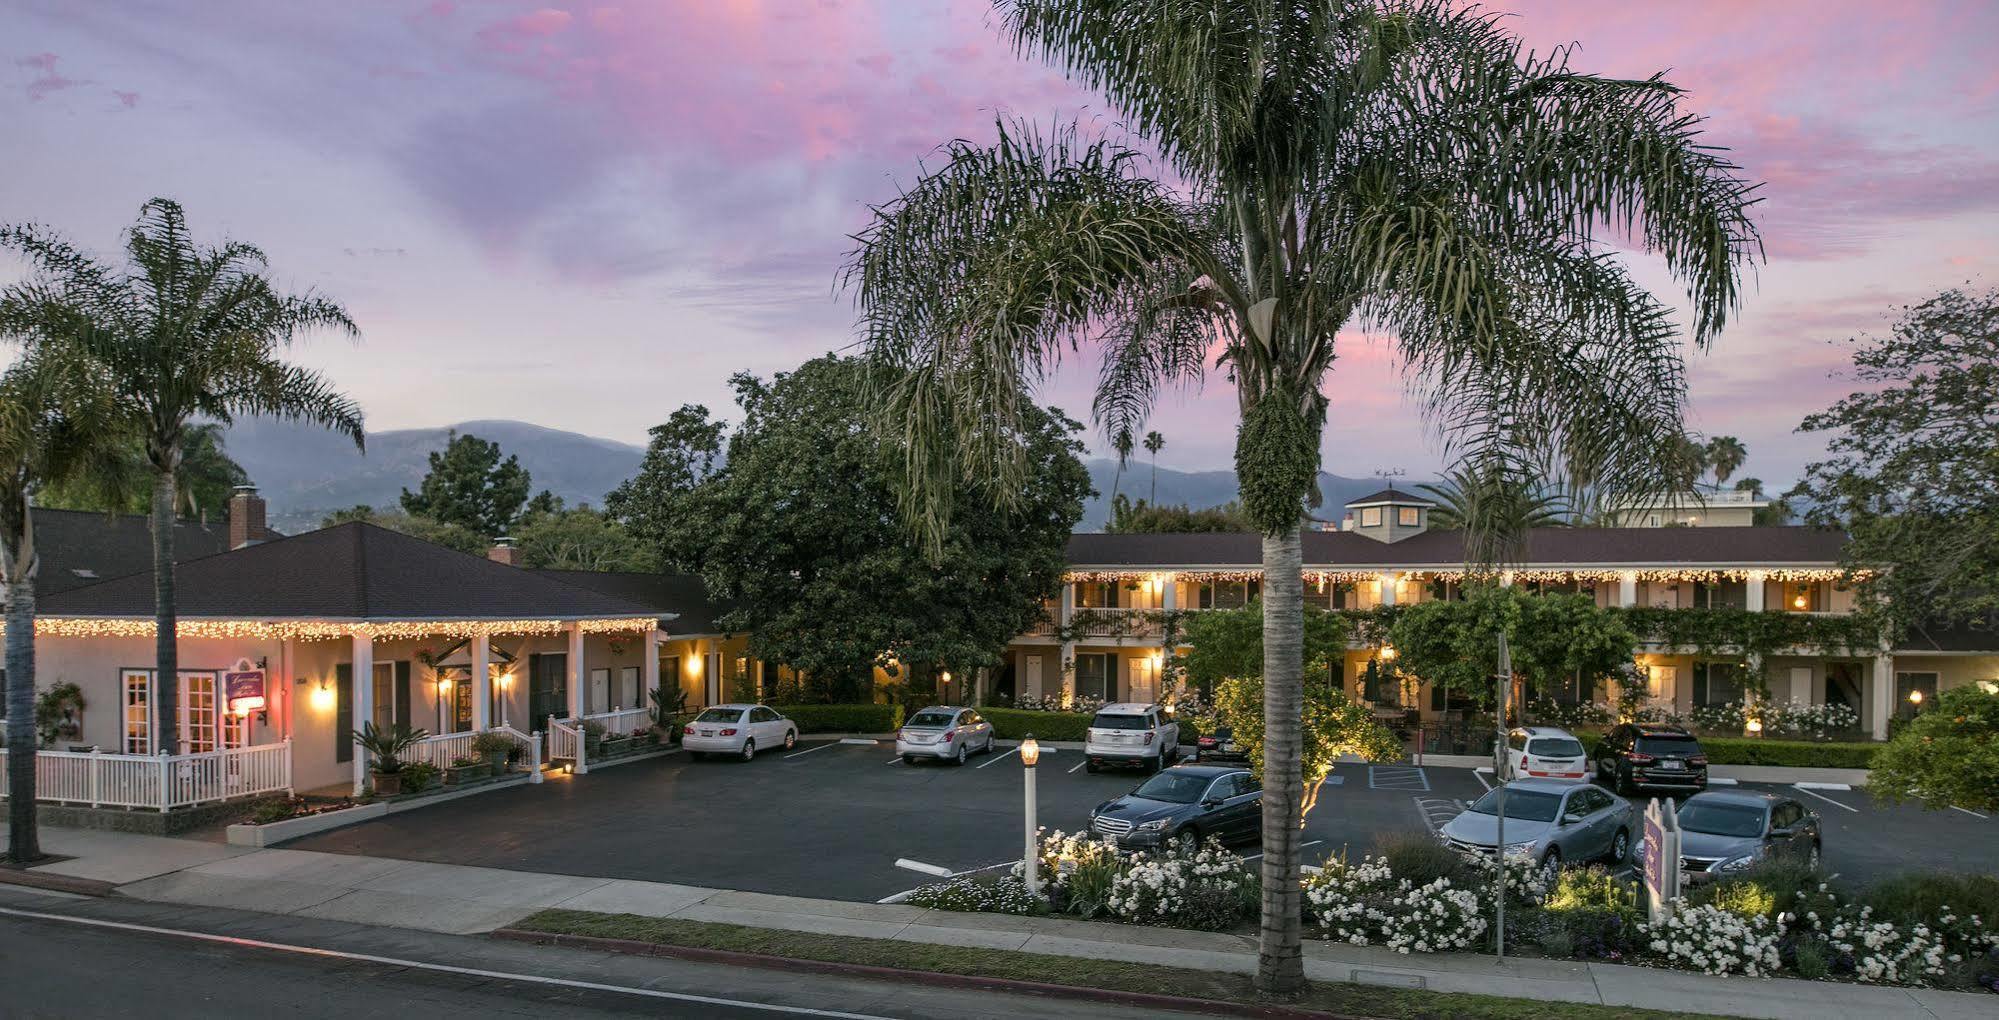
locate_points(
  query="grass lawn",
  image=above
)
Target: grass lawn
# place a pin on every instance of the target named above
(1352, 1000)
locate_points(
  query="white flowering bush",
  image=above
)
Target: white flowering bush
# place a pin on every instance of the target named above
(1205, 889)
(1054, 703)
(1883, 953)
(1715, 941)
(1004, 895)
(1527, 883)
(1812, 722)
(1365, 904)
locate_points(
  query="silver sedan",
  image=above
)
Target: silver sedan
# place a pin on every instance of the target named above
(1548, 821)
(944, 732)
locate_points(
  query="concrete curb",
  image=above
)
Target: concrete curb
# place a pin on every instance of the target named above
(1148, 1000)
(56, 883)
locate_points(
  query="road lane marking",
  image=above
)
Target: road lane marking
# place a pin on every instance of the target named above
(1823, 786)
(1301, 849)
(897, 760)
(918, 866)
(996, 759)
(1430, 808)
(1968, 811)
(1397, 777)
(442, 968)
(809, 750)
(1827, 799)
(1480, 776)
(1080, 764)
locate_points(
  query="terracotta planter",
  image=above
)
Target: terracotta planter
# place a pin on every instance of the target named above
(387, 784)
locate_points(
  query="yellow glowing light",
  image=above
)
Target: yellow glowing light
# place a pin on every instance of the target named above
(1988, 686)
(694, 665)
(1030, 751)
(1916, 697)
(947, 676)
(1387, 653)
(1800, 601)
(322, 698)
(1755, 725)
(320, 630)
(505, 680)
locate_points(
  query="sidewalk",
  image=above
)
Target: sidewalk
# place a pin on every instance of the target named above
(464, 900)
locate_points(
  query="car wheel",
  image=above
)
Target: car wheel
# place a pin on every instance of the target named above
(790, 739)
(1620, 847)
(1152, 764)
(1812, 858)
(1620, 783)
(1187, 841)
(1552, 858)
(988, 749)
(909, 759)
(697, 755)
(1090, 767)
(963, 753)
(749, 749)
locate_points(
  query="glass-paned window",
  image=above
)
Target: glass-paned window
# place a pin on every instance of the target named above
(198, 712)
(1096, 595)
(1228, 594)
(1092, 676)
(138, 712)
(1718, 683)
(385, 696)
(1370, 517)
(1408, 516)
(628, 695)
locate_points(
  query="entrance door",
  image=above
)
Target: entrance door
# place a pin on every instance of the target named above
(1030, 677)
(200, 713)
(548, 688)
(1144, 680)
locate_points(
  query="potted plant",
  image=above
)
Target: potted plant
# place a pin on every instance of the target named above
(612, 745)
(495, 749)
(59, 713)
(668, 705)
(464, 770)
(383, 746)
(417, 776)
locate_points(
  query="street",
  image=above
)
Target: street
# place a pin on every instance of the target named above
(195, 963)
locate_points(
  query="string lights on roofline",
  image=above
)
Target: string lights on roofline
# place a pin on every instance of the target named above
(1598, 575)
(320, 630)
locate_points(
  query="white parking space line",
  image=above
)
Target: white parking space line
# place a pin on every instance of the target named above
(897, 760)
(1080, 764)
(1480, 776)
(996, 759)
(809, 750)
(1301, 848)
(918, 866)
(1827, 799)
(1435, 811)
(1968, 811)
(1397, 777)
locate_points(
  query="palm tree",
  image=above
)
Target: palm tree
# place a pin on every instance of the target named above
(1154, 442)
(50, 429)
(1496, 508)
(1121, 444)
(1399, 165)
(1723, 455)
(183, 332)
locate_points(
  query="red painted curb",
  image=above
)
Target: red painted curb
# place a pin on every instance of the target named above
(55, 883)
(786, 963)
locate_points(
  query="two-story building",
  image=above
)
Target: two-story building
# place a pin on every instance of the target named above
(1105, 638)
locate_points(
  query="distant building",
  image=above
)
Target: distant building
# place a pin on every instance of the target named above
(1686, 510)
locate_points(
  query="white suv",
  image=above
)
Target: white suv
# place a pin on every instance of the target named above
(1544, 752)
(1130, 733)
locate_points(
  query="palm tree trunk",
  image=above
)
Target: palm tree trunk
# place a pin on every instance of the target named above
(166, 651)
(1280, 963)
(23, 842)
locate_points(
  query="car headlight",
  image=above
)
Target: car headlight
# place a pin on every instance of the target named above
(1152, 826)
(1520, 848)
(1741, 863)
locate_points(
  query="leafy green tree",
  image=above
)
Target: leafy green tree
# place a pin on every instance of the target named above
(1948, 756)
(1553, 638)
(51, 431)
(1404, 166)
(797, 529)
(1912, 471)
(205, 480)
(1229, 643)
(469, 485)
(181, 333)
(451, 536)
(1145, 518)
(1777, 514)
(578, 538)
(1332, 726)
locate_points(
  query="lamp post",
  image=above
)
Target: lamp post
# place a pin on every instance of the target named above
(1030, 755)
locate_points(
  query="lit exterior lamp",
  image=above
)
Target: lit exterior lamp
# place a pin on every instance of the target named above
(1916, 698)
(322, 697)
(1755, 727)
(1800, 601)
(1030, 755)
(1386, 653)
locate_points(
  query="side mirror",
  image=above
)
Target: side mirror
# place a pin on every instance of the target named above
(1211, 803)
(1572, 819)
(1782, 833)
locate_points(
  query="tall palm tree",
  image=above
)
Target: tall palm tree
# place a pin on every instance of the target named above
(1496, 507)
(181, 332)
(1154, 442)
(1723, 455)
(1121, 445)
(51, 429)
(1399, 165)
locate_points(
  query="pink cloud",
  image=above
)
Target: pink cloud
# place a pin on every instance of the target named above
(47, 79)
(126, 99)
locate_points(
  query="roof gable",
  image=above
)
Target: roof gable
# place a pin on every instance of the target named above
(82, 547)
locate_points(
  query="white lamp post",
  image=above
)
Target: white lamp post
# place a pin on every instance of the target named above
(1030, 754)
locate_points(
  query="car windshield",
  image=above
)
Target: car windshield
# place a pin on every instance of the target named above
(1721, 819)
(1525, 805)
(1173, 787)
(1106, 721)
(1556, 747)
(1224, 733)
(931, 719)
(1676, 746)
(720, 715)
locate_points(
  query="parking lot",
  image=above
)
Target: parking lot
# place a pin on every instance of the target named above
(831, 820)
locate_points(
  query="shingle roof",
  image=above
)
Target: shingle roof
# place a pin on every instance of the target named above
(1637, 547)
(1391, 495)
(104, 546)
(683, 595)
(354, 571)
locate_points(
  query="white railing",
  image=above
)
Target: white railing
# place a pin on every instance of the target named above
(622, 722)
(566, 741)
(530, 745)
(442, 748)
(159, 782)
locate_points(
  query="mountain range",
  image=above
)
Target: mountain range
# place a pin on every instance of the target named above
(306, 472)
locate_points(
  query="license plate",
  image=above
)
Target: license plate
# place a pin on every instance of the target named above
(1673, 766)
(707, 733)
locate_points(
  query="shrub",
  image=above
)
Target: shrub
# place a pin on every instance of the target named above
(1365, 904)
(1923, 897)
(1591, 888)
(1741, 898)
(418, 776)
(1794, 753)
(1423, 859)
(1715, 941)
(1078, 871)
(1780, 884)
(1014, 723)
(843, 718)
(1809, 959)
(1003, 895)
(1200, 890)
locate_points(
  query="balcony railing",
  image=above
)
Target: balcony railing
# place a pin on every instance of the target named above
(1115, 623)
(159, 782)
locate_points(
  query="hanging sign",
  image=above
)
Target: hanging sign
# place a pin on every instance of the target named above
(1662, 859)
(243, 688)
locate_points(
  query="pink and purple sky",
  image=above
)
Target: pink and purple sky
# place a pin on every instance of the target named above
(585, 216)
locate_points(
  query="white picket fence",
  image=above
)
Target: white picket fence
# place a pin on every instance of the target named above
(623, 722)
(441, 748)
(159, 782)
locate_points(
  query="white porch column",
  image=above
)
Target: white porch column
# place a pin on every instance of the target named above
(649, 669)
(1066, 666)
(1752, 591)
(361, 706)
(578, 676)
(1881, 696)
(1387, 583)
(482, 683)
(1627, 588)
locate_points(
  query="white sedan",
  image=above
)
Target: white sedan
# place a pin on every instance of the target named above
(739, 730)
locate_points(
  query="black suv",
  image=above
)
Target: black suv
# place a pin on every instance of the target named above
(1638, 756)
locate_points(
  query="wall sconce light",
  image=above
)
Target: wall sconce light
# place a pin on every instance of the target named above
(1916, 696)
(1156, 583)
(1387, 653)
(694, 665)
(322, 697)
(947, 676)
(443, 682)
(1800, 601)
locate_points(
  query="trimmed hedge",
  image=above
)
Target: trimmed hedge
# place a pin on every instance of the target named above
(1014, 723)
(843, 718)
(1790, 753)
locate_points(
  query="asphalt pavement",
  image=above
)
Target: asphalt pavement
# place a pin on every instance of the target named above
(831, 820)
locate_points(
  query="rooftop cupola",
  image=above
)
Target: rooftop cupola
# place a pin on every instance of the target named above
(1390, 515)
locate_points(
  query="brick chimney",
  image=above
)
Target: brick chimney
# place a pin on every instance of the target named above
(246, 517)
(503, 551)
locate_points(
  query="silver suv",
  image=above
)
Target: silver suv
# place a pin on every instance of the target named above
(1130, 733)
